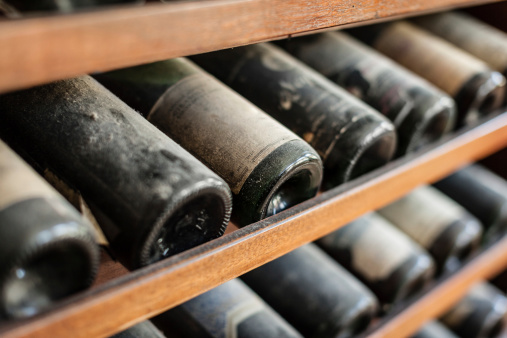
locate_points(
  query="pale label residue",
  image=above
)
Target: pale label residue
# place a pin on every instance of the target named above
(446, 66)
(477, 38)
(241, 312)
(76, 199)
(222, 129)
(380, 250)
(423, 214)
(18, 181)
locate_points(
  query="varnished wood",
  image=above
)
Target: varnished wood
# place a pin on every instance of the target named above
(40, 50)
(132, 298)
(444, 295)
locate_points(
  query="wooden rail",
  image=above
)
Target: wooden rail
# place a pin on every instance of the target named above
(131, 298)
(39, 50)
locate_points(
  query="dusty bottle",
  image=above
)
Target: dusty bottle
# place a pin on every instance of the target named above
(477, 38)
(480, 313)
(420, 112)
(476, 88)
(382, 257)
(268, 167)
(47, 250)
(351, 137)
(144, 329)
(438, 224)
(62, 6)
(483, 194)
(306, 281)
(434, 329)
(229, 310)
(151, 197)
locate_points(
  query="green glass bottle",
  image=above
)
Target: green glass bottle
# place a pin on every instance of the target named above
(440, 225)
(267, 167)
(47, 249)
(151, 197)
(350, 136)
(420, 112)
(477, 90)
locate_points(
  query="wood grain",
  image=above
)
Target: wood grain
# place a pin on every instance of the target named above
(444, 295)
(40, 50)
(144, 293)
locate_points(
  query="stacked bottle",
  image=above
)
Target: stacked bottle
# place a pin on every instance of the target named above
(267, 167)
(476, 88)
(151, 197)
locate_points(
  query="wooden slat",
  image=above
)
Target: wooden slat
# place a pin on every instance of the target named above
(440, 298)
(40, 50)
(146, 292)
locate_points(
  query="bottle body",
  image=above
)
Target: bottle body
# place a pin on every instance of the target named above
(350, 137)
(142, 330)
(477, 90)
(382, 257)
(307, 278)
(480, 313)
(464, 31)
(151, 197)
(420, 112)
(438, 224)
(434, 329)
(229, 310)
(483, 194)
(268, 167)
(47, 249)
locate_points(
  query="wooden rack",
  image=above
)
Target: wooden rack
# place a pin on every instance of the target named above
(39, 50)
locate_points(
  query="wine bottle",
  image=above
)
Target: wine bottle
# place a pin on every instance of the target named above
(483, 194)
(480, 313)
(464, 31)
(477, 90)
(47, 250)
(144, 329)
(351, 138)
(229, 310)
(438, 224)
(62, 6)
(151, 197)
(434, 329)
(382, 257)
(314, 294)
(420, 112)
(268, 167)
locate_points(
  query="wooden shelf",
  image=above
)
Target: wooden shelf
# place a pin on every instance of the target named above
(131, 298)
(44, 49)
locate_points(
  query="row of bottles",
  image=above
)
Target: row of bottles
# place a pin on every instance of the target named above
(336, 286)
(163, 179)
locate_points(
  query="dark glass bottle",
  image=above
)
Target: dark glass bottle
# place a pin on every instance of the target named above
(144, 329)
(350, 136)
(268, 167)
(480, 313)
(382, 257)
(477, 90)
(151, 197)
(47, 250)
(438, 224)
(434, 329)
(483, 194)
(314, 294)
(420, 112)
(229, 310)
(62, 6)
(466, 32)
